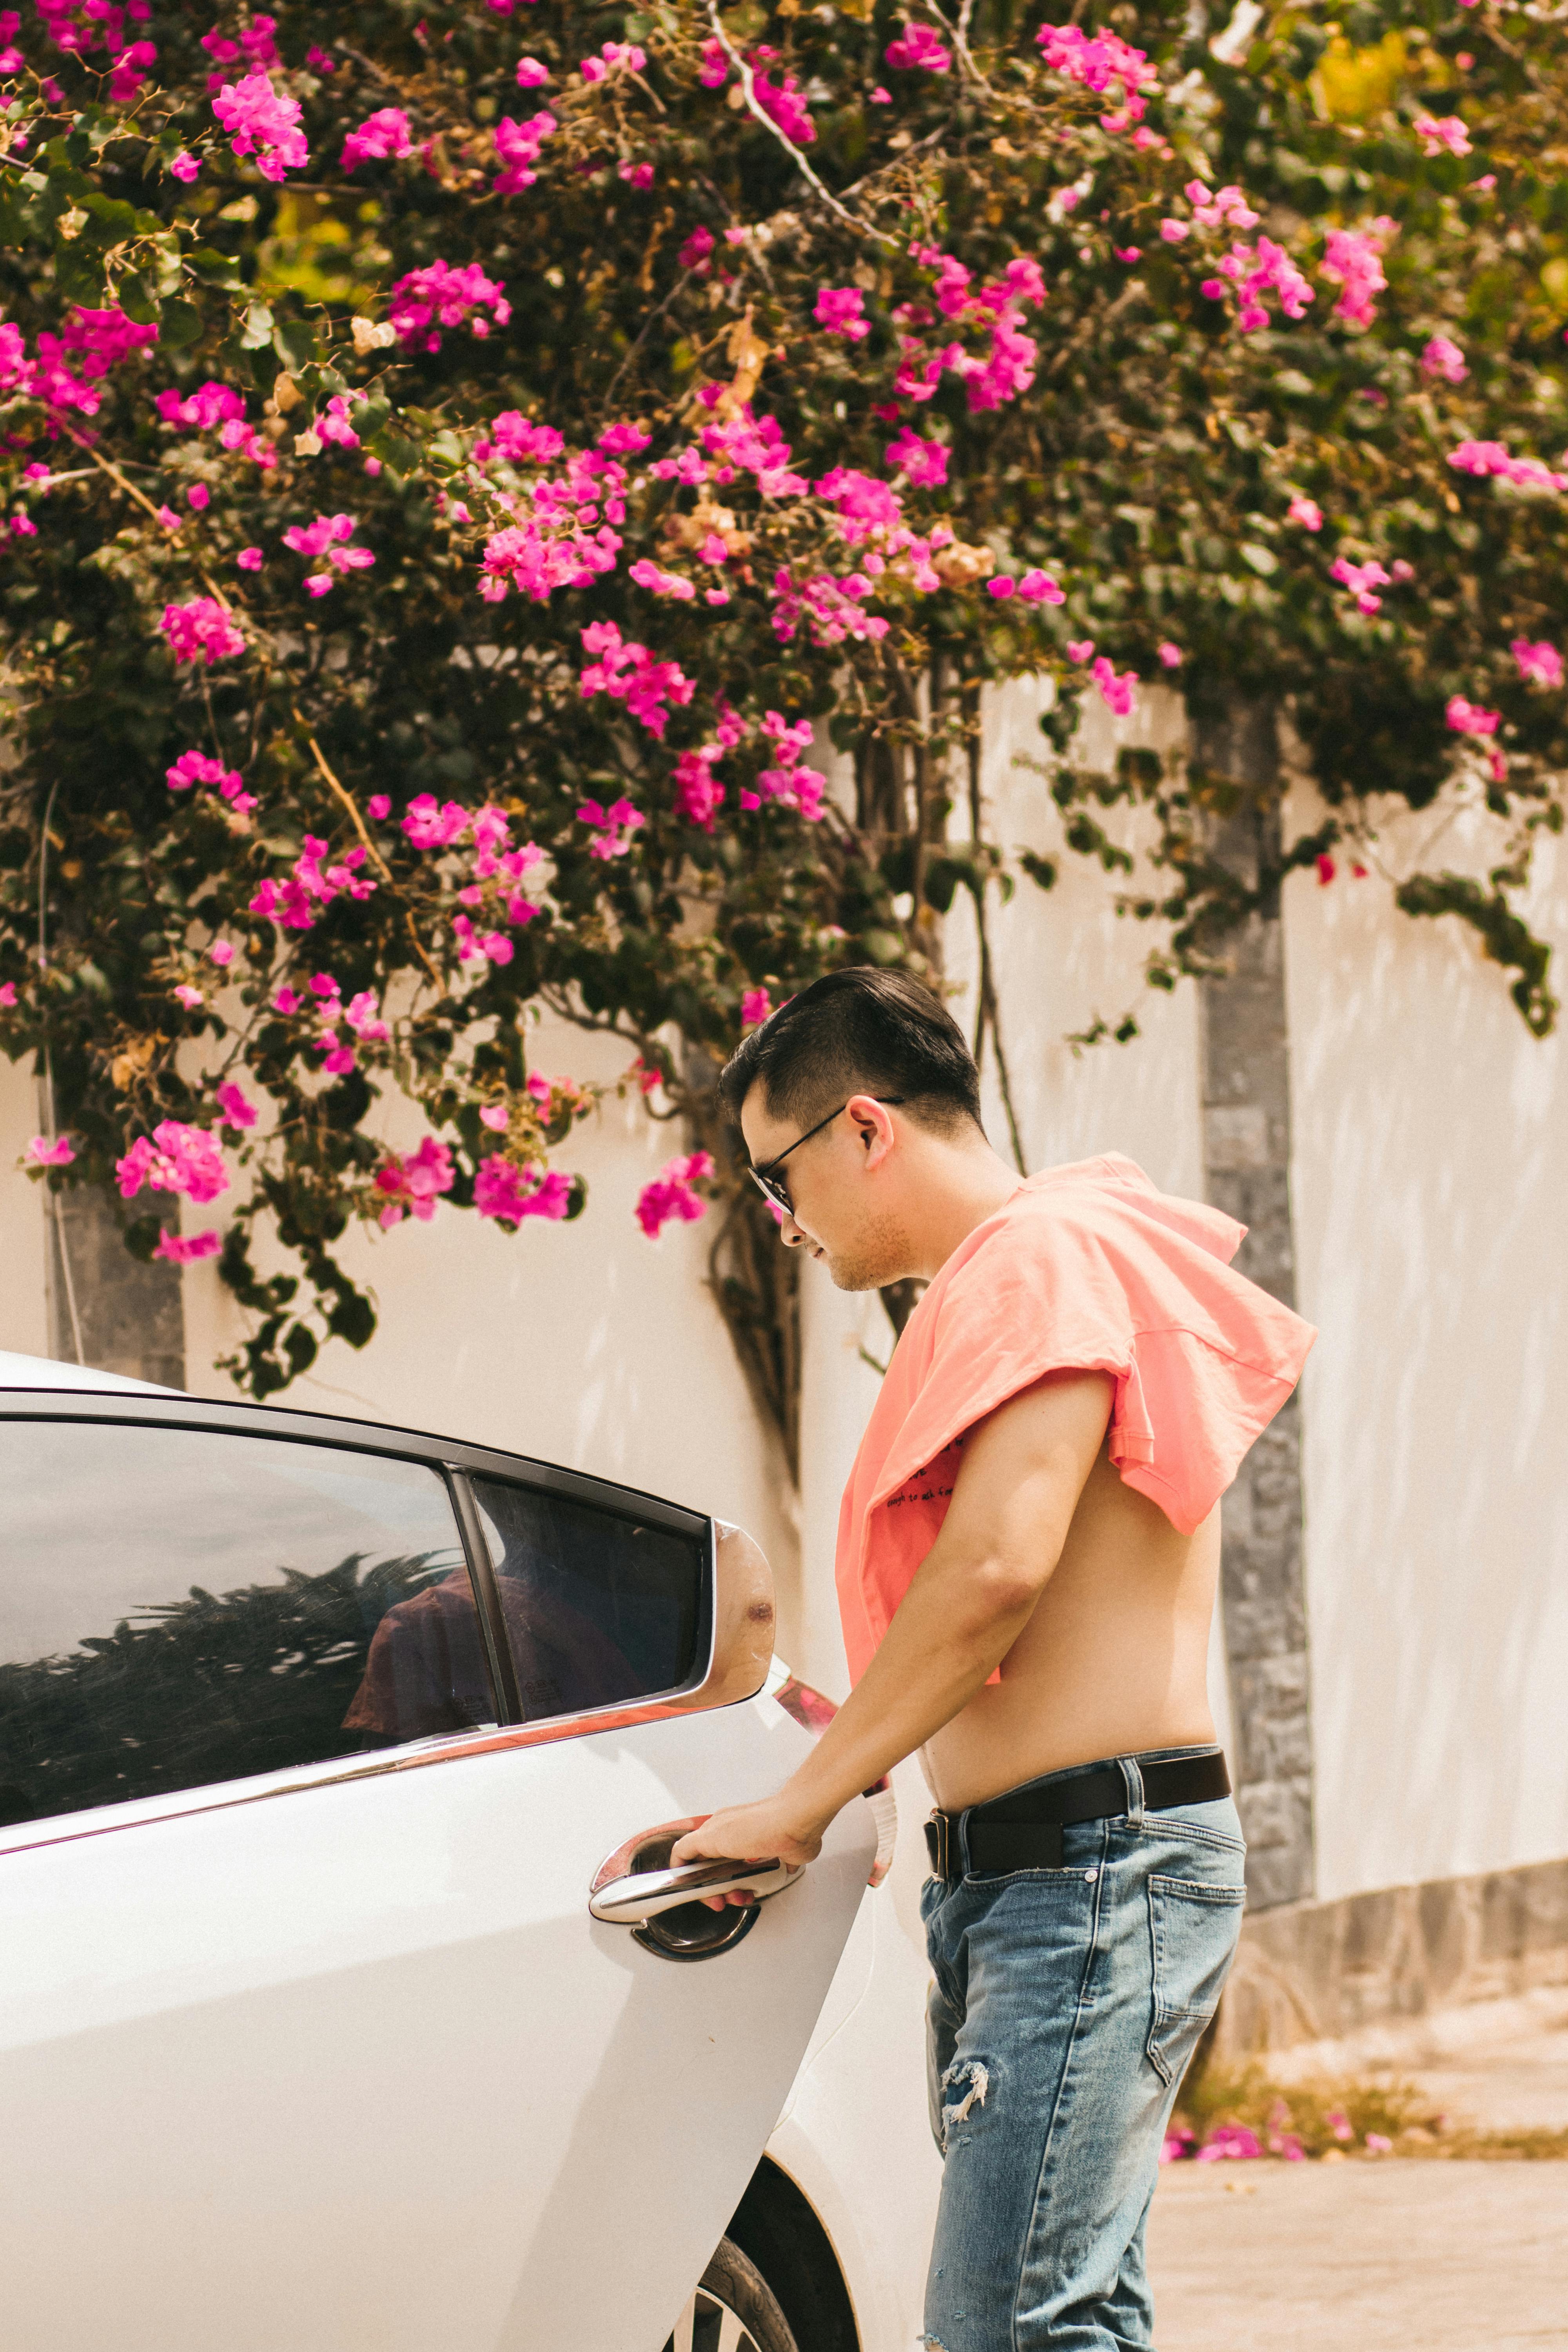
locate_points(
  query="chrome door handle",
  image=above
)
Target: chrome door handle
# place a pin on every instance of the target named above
(644, 1893)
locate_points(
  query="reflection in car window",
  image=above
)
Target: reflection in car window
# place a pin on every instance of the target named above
(180, 1607)
(600, 1607)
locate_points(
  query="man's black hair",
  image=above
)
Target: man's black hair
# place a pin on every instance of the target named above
(861, 1031)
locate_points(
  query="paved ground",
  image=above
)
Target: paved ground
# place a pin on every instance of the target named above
(1398, 2254)
(1393, 2256)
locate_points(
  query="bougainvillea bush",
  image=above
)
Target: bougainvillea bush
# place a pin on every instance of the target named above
(470, 470)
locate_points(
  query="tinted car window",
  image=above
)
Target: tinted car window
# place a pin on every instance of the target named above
(600, 1607)
(179, 1607)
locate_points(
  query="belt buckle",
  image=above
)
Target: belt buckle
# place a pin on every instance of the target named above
(938, 1831)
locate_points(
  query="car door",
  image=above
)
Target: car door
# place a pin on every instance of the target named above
(313, 1739)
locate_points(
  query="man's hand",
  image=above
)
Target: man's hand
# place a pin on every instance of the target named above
(774, 1831)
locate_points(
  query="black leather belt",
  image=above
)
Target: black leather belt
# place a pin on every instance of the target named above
(1023, 1829)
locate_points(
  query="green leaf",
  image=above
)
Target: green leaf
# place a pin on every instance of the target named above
(182, 324)
(257, 328)
(136, 301)
(394, 451)
(295, 343)
(1263, 560)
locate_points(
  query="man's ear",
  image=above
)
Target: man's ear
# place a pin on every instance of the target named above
(873, 1126)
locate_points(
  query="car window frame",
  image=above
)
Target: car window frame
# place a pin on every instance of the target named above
(456, 1463)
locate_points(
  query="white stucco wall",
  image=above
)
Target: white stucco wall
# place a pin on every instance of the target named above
(1431, 1142)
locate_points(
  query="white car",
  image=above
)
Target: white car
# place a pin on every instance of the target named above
(349, 2004)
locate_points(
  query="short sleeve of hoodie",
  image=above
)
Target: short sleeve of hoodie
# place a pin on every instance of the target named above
(1084, 1279)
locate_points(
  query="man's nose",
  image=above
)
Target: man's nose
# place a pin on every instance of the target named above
(790, 1234)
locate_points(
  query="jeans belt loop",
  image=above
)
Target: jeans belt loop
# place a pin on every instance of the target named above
(1133, 1779)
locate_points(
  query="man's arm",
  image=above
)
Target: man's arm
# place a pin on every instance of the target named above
(1022, 1470)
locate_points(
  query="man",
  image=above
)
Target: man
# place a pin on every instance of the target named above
(1027, 1557)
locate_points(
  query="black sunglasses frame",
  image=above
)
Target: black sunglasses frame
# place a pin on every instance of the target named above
(775, 1188)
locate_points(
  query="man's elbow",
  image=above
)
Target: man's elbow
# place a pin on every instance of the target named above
(1002, 1591)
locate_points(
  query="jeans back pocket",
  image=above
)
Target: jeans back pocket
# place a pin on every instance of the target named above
(1193, 1929)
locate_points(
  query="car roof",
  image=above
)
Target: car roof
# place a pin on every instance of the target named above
(44, 1372)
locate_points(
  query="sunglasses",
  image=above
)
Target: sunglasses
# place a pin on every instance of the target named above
(776, 1187)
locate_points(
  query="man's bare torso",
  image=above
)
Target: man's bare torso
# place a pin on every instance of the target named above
(1113, 1660)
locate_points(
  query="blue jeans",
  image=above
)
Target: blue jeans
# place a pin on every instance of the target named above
(1065, 2008)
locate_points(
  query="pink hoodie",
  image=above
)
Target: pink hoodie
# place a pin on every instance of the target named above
(1086, 1268)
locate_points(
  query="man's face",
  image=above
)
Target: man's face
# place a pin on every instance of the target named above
(845, 1186)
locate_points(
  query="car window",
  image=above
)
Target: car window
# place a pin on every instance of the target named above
(600, 1607)
(180, 1607)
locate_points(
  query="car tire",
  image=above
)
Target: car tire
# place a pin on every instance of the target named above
(733, 2310)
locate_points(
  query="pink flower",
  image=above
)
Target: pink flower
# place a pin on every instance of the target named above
(694, 253)
(237, 1110)
(785, 108)
(1325, 868)
(193, 767)
(178, 1158)
(714, 71)
(629, 673)
(838, 309)
(202, 626)
(1444, 358)
(756, 1005)
(188, 996)
(1172, 656)
(613, 828)
(1470, 718)
(496, 1116)
(363, 1017)
(1306, 512)
(670, 1197)
(1442, 132)
(427, 300)
(382, 134)
(1079, 648)
(184, 166)
(1177, 2146)
(1361, 578)
(287, 1001)
(1352, 259)
(1128, 252)
(1118, 693)
(263, 122)
(1539, 665)
(1094, 61)
(530, 72)
(1038, 588)
(169, 519)
(509, 1193)
(880, 96)
(323, 63)
(187, 1249)
(42, 1154)
(378, 806)
(1482, 459)
(8, 995)
(1377, 2144)
(199, 496)
(1175, 231)
(924, 463)
(412, 1186)
(1001, 588)
(917, 48)
(612, 56)
(1231, 2142)
(249, 559)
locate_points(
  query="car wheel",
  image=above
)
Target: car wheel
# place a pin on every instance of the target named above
(733, 2310)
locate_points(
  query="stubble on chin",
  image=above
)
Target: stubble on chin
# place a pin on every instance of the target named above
(881, 1255)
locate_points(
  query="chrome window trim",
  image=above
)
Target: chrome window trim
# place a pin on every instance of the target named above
(738, 1590)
